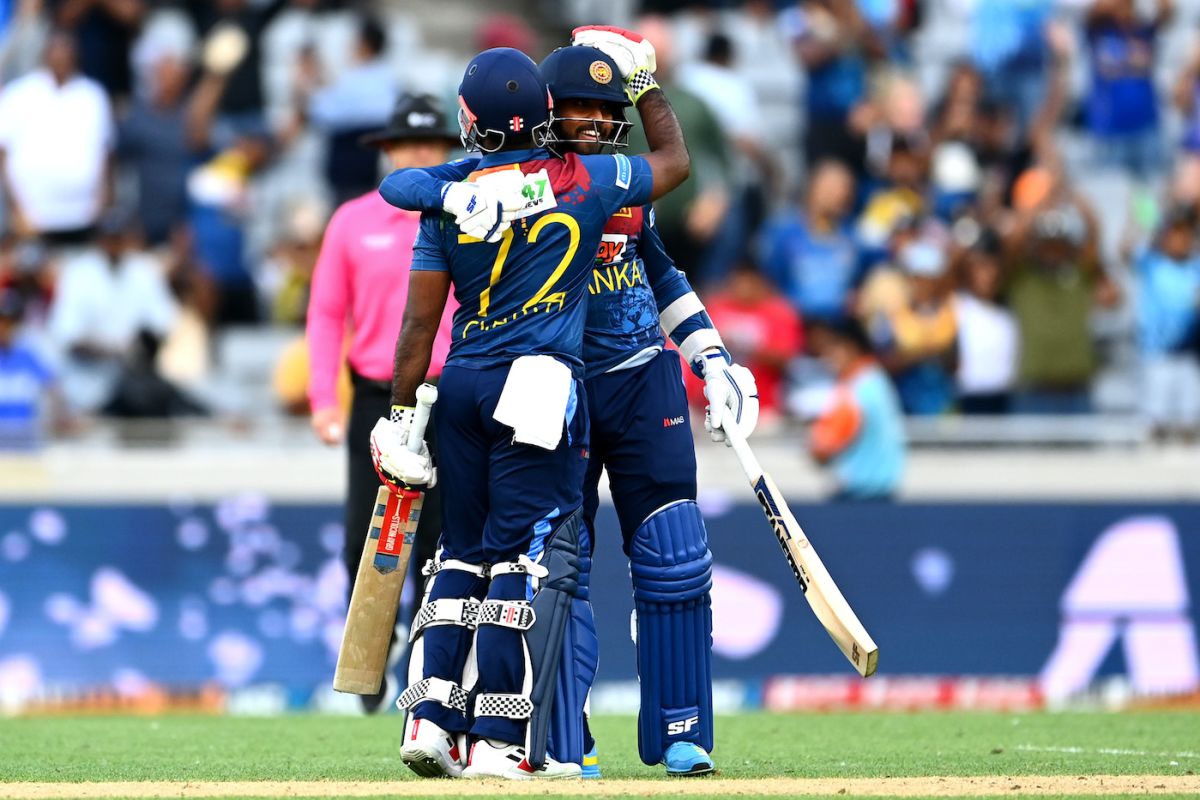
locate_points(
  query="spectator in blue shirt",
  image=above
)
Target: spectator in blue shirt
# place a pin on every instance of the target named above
(24, 379)
(1008, 45)
(1167, 277)
(1122, 106)
(812, 255)
(834, 42)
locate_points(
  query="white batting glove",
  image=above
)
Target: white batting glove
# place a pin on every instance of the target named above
(631, 52)
(478, 210)
(397, 465)
(509, 187)
(732, 397)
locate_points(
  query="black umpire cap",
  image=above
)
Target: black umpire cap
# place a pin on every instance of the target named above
(416, 116)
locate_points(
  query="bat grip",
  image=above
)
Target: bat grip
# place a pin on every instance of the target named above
(426, 397)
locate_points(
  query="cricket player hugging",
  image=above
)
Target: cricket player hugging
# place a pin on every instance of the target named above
(517, 239)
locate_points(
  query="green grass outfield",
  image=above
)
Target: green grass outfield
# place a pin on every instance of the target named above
(749, 746)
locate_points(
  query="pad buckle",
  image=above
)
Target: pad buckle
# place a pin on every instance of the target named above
(522, 566)
(512, 706)
(515, 614)
(461, 611)
(439, 690)
(433, 567)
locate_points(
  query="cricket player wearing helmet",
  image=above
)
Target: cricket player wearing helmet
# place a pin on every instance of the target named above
(512, 421)
(638, 410)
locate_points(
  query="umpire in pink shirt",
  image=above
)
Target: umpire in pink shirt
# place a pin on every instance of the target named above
(359, 289)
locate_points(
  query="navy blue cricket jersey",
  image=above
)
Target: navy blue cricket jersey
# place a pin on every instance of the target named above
(526, 294)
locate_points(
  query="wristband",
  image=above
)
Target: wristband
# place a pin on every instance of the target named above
(640, 81)
(399, 412)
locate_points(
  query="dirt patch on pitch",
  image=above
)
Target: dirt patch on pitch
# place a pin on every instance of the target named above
(776, 787)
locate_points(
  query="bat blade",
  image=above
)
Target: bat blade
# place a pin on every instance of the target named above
(362, 658)
(822, 594)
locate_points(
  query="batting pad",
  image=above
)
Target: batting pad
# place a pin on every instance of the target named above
(672, 575)
(577, 671)
(552, 607)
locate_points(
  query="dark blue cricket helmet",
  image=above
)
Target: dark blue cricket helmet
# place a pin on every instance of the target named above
(502, 94)
(585, 73)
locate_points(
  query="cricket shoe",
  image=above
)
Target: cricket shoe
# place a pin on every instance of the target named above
(503, 760)
(684, 759)
(591, 763)
(430, 751)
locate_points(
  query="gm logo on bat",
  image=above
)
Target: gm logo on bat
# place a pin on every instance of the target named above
(780, 528)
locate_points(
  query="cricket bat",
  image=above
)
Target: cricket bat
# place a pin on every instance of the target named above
(381, 570)
(815, 581)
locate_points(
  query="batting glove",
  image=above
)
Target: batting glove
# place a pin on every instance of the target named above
(478, 210)
(398, 466)
(732, 397)
(509, 188)
(631, 52)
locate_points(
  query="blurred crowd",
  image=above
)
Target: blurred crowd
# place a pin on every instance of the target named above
(998, 198)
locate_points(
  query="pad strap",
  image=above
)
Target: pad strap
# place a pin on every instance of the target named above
(512, 706)
(522, 566)
(515, 614)
(433, 567)
(447, 611)
(439, 690)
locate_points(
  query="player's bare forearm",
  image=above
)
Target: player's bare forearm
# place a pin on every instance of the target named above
(427, 293)
(668, 156)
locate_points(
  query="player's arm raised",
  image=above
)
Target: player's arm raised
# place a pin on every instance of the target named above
(634, 56)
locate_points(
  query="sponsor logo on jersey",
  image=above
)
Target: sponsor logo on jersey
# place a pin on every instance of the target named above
(612, 248)
(624, 171)
(600, 72)
(671, 422)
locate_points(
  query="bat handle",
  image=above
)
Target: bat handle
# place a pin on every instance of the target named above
(745, 456)
(426, 396)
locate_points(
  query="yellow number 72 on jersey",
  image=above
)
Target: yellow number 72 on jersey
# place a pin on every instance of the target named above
(544, 293)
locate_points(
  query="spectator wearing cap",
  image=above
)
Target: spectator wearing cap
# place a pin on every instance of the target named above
(860, 434)
(915, 334)
(1167, 306)
(360, 285)
(25, 379)
(107, 299)
(988, 339)
(1055, 282)
(56, 141)
(811, 254)
(1122, 104)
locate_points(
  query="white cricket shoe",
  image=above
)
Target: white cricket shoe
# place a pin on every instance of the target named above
(502, 760)
(430, 751)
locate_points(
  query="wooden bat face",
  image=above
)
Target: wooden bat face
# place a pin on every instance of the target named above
(376, 599)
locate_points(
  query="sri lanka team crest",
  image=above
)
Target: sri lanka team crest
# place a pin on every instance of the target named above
(600, 72)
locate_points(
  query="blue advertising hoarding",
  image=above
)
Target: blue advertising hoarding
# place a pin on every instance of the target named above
(245, 592)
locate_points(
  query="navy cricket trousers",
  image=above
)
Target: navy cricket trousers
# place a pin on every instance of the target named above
(500, 500)
(641, 435)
